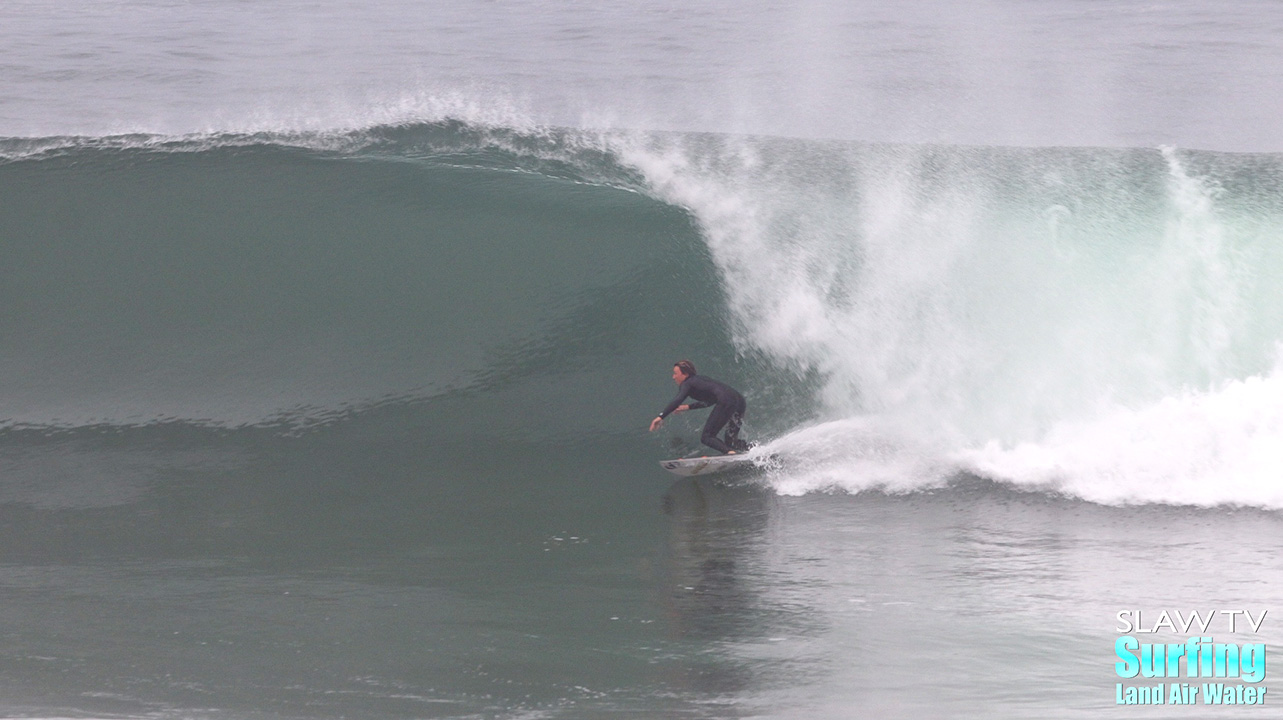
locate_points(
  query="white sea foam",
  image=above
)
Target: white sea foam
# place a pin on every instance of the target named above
(1223, 446)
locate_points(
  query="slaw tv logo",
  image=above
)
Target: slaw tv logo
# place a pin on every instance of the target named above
(1224, 673)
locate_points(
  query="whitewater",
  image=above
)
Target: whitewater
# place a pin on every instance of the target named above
(331, 335)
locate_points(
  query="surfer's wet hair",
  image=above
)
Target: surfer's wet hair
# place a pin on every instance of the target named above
(686, 366)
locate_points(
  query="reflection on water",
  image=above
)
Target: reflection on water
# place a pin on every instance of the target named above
(715, 537)
(715, 570)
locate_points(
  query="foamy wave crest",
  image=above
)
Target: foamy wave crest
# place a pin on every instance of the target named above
(1212, 448)
(493, 118)
(1222, 447)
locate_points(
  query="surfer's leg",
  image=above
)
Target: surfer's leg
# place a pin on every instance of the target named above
(732, 437)
(716, 421)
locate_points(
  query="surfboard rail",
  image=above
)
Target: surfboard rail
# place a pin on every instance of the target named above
(705, 465)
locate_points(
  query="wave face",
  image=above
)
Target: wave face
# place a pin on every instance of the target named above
(236, 280)
(1095, 322)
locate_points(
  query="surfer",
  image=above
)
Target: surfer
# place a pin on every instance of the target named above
(728, 407)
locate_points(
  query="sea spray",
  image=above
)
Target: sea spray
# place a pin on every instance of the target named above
(1099, 310)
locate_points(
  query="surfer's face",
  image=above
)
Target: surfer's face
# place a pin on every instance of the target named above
(679, 377)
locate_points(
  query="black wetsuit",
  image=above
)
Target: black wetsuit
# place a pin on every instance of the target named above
(728, 410)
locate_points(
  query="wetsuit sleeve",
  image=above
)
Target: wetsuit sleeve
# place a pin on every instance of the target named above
(682, 392)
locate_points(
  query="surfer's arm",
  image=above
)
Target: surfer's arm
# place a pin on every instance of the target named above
(659, 419)
(672, 407)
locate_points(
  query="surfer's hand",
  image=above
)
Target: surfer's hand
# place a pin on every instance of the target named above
(682, 408)
(654, 424)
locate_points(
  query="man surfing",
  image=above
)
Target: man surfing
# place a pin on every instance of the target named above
(728, 407)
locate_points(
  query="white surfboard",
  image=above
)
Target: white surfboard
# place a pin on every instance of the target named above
(706, 465)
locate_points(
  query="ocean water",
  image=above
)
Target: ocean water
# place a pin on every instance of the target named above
(331, 333)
